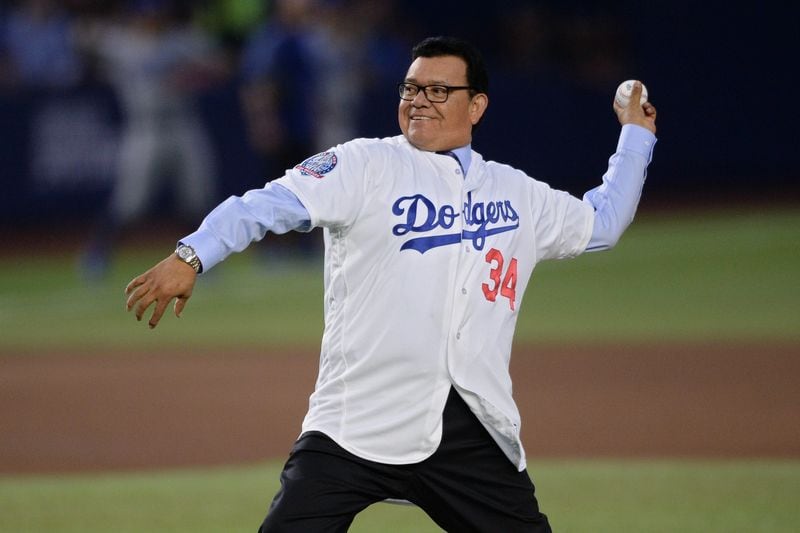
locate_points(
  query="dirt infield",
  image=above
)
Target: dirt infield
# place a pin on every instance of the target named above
(61, 413)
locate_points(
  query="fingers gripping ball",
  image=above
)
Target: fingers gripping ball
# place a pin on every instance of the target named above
(623, 94)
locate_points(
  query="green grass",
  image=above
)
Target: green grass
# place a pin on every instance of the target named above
(45, 305)
(579, 496)
(726, 275)
(720, 276)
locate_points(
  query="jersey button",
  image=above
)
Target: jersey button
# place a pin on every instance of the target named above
(458, 171)
(463, 290)
(458, 335)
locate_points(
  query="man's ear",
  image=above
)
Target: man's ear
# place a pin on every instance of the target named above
(477, 107)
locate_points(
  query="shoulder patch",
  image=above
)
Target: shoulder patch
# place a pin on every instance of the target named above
(318, 165)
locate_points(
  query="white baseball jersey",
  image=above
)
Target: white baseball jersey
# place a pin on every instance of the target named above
(425, 271)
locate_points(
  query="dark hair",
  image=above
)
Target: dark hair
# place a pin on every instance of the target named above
(477, 77)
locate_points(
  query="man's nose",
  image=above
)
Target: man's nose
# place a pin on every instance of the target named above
(420, 100)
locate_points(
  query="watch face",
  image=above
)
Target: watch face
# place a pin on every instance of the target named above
(185, 253)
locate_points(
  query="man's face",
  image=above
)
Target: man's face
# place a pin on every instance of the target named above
(446, 125)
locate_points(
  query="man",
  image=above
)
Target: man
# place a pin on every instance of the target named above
(158, 64)
(428, 251)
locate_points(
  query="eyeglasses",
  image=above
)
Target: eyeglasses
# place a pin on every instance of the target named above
(434, 93)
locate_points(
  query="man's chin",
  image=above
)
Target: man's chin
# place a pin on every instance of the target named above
(420, 142)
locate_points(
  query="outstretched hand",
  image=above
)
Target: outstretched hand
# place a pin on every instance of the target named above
(171, 278)
(634, 113)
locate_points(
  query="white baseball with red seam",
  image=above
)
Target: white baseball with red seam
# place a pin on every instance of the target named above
(623, 95)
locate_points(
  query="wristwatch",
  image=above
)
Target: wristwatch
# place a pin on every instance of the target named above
(187, 254)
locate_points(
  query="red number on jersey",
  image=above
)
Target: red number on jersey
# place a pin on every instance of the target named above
(505, 285)
(494, 256)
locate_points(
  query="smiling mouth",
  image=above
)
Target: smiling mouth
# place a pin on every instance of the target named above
(421, 118)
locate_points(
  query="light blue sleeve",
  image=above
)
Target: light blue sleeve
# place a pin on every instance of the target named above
(616, 200)
(238, 221)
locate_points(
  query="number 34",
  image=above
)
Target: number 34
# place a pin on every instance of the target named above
(506, 284)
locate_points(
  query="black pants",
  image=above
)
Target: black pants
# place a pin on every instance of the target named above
(468, 484)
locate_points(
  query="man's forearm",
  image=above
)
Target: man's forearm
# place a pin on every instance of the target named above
(616, 200)
(238, 221)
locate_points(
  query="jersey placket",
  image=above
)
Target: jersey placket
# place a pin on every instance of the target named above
(460, 290)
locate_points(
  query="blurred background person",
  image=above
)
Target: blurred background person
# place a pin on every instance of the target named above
(36, 46)
(280, 71)
(342, 29)
(305, 73)
(278, 86)
(157, 62)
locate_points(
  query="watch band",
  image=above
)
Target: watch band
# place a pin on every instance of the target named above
(194, 262)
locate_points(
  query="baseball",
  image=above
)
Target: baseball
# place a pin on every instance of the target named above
(623, 95)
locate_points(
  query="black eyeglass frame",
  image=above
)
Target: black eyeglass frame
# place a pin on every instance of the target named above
(401, 87)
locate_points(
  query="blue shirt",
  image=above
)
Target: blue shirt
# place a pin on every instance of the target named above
(238, 221)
